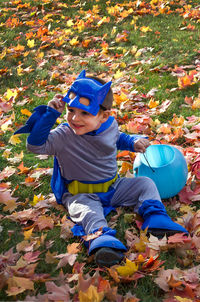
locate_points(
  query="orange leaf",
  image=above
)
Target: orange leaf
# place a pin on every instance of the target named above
(173, 283)
(86, 43)
(73, 248)
(26, 112)
(23, 170)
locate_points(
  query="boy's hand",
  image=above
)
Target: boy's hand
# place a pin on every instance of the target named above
(141, 144)
(57, 103)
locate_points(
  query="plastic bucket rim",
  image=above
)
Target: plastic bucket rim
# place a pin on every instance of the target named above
(144, 161)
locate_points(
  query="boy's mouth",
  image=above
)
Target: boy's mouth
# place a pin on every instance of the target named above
(76, 126)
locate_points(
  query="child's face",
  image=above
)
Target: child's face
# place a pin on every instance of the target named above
(82, 122)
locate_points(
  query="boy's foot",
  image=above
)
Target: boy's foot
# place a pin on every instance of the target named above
(107, 257)
(160, 233)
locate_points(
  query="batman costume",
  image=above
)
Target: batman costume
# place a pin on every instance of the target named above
(85, 178)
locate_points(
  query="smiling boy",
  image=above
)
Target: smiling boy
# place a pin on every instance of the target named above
(85, 178)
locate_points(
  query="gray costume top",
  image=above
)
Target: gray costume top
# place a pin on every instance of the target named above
(82, 157)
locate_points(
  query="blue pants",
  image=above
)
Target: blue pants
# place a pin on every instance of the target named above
(87, 209)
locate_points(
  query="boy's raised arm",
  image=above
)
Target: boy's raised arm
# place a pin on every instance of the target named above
(133, 143)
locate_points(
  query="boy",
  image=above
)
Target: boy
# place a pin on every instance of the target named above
(85, 176)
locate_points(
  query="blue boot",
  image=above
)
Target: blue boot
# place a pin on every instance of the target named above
(157, 221)
(107, 248)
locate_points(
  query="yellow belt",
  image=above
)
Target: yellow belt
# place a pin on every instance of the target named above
(76, 187)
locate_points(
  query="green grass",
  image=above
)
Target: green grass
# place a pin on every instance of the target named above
(169, 43)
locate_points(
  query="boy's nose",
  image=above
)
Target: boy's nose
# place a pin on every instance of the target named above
(75, 117)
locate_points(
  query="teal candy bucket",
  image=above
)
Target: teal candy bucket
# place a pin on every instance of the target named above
(165, 165)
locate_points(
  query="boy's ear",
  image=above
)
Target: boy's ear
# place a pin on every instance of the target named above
(105, 115)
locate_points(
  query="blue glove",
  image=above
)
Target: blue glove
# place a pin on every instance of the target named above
(39, 124)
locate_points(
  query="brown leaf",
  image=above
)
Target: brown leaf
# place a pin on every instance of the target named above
(66, 259)
(18, 285)
(58, 293)
(44, 222)
(8, 201)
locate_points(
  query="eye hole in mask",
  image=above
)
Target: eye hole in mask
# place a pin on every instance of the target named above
(82, 100)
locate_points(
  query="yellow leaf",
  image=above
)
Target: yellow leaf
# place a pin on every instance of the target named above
(128, 270)
(5, 126)
(19, 48)
(122, 64)
(91, 295)
(196, 103)
(138, 54)
(182, 299)
(152, 103)
(18, 285)
(70, 23)
(6, 153)
(20, 71)
(145, 29)
(74, 41)
(140, 258)
(118, 74)
(14, 139)
(140, 246)
(3, 54)
(26, 112)
(31, 43)
(28, 234)
(11, 93)
(36, 199)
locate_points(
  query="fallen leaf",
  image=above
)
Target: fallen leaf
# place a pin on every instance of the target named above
(91, 295)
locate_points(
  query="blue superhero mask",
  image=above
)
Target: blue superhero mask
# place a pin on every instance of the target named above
(88, 88)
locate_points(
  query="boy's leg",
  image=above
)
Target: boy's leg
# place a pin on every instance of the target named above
(133, 192)
(142, 194)
(87, 211)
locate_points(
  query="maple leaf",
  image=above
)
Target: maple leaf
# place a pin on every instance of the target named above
(31, 43)
(66, 259)
(31, 256)
(178, 298)
(8, 201)
(179, 238)
(58, 293)
(91, 295)
(17, 285)
(155, 243)
(23, 170)
(128, 270)
(12, 93)
(26, 112)
(145, 29)
(152, 103)
(28, 234)
(44, 222)
(73, 248)
(14, 139)
(36, 199)
(74, 41)
(50, 257)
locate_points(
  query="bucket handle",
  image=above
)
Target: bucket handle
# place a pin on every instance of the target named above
(151, 139)
(148, 163)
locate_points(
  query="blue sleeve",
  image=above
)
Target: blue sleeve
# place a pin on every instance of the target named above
(42, 127)
(126, 141)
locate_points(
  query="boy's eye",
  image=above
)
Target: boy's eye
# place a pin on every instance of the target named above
(85, 113)
(70, 110)
(72, 95)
